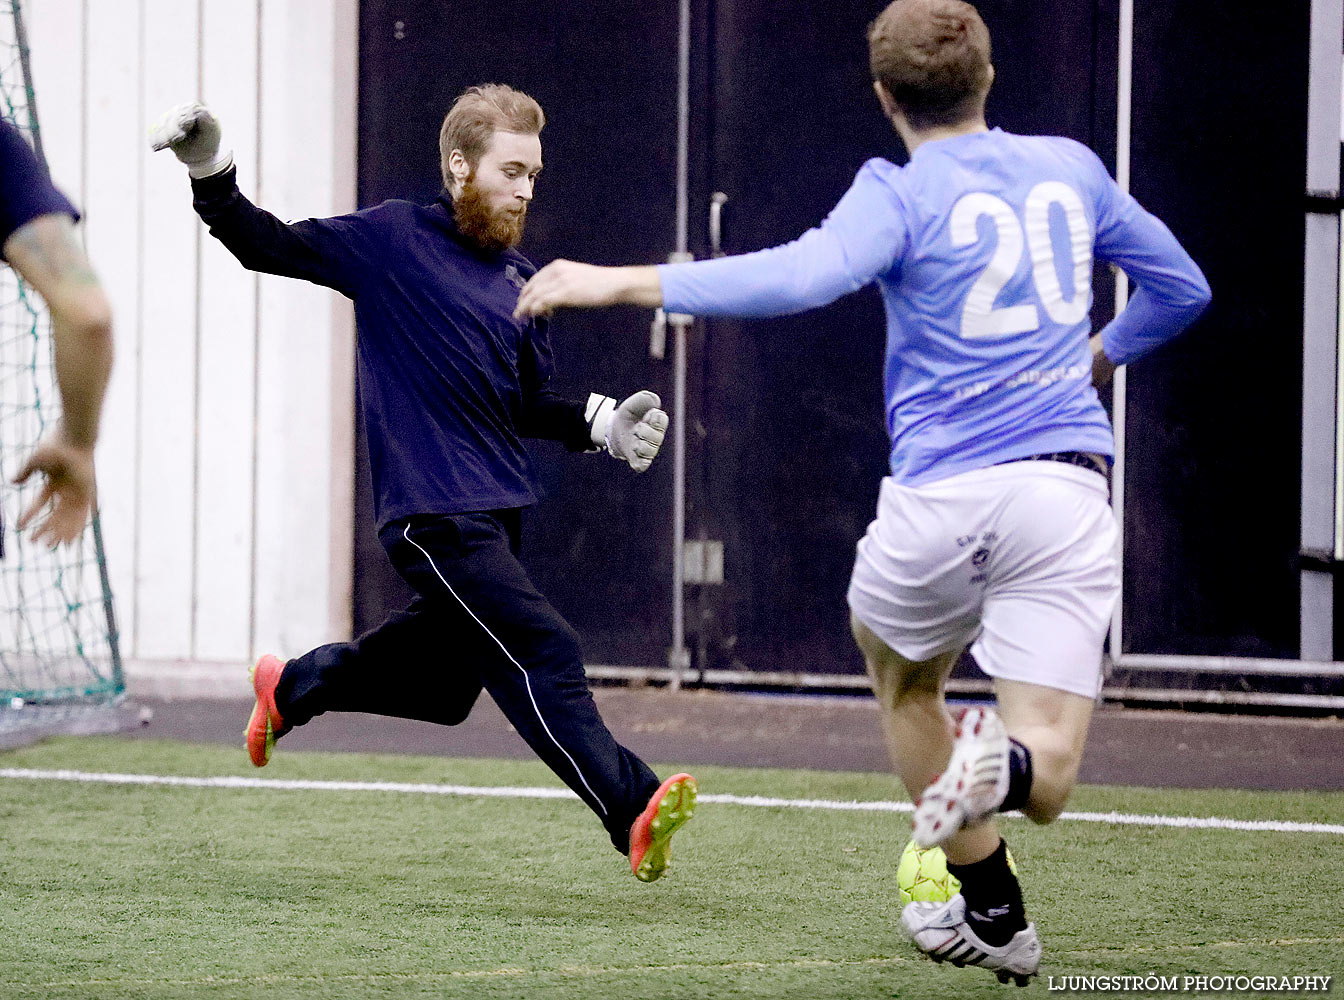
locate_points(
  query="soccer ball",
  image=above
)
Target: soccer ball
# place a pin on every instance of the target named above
(922, 875)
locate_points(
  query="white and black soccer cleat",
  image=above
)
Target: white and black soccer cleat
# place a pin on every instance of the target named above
(940, 931)
(974, 784)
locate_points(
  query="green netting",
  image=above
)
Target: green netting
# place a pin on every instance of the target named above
(58, 651)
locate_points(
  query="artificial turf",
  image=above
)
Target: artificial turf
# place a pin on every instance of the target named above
(131, 891)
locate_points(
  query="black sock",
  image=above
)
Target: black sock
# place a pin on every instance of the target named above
(993, 898)
(1019, 776)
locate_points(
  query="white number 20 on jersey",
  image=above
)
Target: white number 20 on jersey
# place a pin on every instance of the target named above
(979, 318)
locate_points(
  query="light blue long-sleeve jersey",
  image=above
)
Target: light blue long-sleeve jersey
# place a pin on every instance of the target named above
(982, 247)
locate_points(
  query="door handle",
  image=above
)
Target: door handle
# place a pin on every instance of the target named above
(716, 202)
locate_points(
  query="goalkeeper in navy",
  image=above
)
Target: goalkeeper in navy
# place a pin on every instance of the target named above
(449, 385)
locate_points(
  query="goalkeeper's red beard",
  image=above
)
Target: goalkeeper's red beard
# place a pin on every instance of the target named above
(491, 228)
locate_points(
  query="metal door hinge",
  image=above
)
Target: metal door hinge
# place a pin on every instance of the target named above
(702, 562)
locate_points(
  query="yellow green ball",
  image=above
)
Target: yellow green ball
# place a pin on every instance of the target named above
(922, 875)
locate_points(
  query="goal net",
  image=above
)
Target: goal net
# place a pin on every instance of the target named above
(59, 665)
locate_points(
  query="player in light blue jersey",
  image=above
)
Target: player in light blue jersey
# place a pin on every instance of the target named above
(994, 528)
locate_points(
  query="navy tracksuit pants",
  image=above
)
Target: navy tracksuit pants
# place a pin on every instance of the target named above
(476, 623)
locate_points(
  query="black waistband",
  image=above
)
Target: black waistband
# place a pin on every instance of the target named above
(1079, 458)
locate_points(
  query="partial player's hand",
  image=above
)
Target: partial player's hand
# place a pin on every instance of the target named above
(567, 283)
(193, 133)
(637, 429)
(1103, 368)
(62, 505)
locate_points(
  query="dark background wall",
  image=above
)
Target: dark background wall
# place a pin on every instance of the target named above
(1214, 424)
(785, 426)
(605, 73)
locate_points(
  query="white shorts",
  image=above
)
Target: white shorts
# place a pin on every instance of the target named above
(1017, 558)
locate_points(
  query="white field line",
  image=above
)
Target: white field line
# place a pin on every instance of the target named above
(516, 792)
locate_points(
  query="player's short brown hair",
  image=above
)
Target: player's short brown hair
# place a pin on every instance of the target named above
(933, 58)
(480, 112)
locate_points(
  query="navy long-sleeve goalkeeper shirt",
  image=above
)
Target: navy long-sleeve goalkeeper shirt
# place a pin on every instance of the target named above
(449, 381)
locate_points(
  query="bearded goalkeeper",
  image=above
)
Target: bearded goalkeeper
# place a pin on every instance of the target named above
(450, 383)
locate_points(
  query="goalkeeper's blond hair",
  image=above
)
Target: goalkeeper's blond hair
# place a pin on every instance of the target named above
(480, 112)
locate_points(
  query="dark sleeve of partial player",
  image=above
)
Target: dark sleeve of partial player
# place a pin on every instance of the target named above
(26, 191)
(545, 413)
(323, 251)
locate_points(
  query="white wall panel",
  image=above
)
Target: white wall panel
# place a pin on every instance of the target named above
(294, 462)
(345, 124)
(225, 461)
(166, 485)
(228, 328)
(56, 38)
(114, 139)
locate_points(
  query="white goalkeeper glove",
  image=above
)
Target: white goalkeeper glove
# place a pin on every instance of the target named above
(632, 431)
(192, 132)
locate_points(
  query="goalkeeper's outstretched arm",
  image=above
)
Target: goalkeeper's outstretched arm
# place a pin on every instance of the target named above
(332, 252)
(631, 430)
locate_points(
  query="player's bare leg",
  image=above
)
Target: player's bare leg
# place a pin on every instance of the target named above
(989, 928)
(919, 729)
(1036, 744)
(1052, 725)
(915, 720)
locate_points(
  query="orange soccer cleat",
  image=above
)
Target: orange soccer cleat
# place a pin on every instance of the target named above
(265, 725)
(667, 812)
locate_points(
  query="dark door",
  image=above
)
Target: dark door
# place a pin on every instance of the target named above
(1212, 492)
(605, 72)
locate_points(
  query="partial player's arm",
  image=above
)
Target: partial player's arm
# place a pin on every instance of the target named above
(567, 283)
(48, 256)
(631, 431)
(862, 238)
(1171, 291)
(332, 252)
